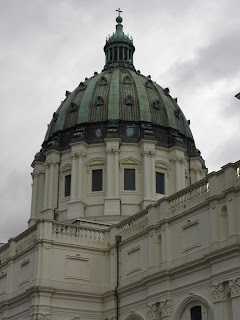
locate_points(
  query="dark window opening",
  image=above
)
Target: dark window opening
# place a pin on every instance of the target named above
(115, 57)
(97, 180)
(126, 54)
(129, 179)
(196, 313)
(120, 53)
(111, 57)
(67, 189)
(160, 183)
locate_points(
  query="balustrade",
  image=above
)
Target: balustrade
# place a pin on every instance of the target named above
(77, 232)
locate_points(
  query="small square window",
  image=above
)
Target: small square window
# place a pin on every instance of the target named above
(97, 180)
(67, 187)
(160, 183)
(129, 179)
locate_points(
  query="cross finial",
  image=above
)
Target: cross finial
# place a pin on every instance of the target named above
(118, 10)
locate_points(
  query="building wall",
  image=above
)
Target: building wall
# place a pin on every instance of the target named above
(181, 252)
(112, 203)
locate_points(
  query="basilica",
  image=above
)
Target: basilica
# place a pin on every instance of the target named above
(126, 223)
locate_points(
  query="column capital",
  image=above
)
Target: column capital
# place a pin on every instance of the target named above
(51, 163)
(35, 174)
(81, 154)
(116, 151)
(145, 152)
(153, 311)
(109, 150)
(166, 308)
(234, 286)
(178, 159)
(218, 292)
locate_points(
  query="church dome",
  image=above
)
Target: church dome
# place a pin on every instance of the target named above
(119, 101)
(118, 143)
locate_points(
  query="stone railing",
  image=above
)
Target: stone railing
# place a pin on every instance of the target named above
(78, 232)
(26, 239)
(190, 193)
(133, 225)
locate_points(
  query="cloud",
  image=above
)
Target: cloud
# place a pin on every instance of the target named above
(214, 62)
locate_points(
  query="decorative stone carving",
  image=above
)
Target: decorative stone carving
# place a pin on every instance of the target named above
(103, 81)
(166, 308)
(234, 286)
(127, 80)
(218, 292)
(55, 116)
(177, 113)
(156, 104)
(38, 316)
(128, 100)
(99, 101)
(152, 311)
(166, 91)
(82, 86)
(73, 107)
(147, 129)
(149, 84)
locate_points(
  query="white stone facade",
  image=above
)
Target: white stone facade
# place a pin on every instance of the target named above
(112, 203)
(176, 254)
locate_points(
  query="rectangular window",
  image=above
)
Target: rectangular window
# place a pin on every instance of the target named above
(97, 180)
(67, 189)
(160, 183)
(129, 179)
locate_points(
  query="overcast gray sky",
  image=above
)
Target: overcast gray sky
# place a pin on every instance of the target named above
(49, 46)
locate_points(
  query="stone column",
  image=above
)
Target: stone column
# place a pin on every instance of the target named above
(197, 171)
(145, 175)
(34, 194)
(51, 181)
(153, 171)
(73, 177)
(112, 202)
(178, 173)
(46, 190)
(108, 187)
(80, 175)
(116, 172)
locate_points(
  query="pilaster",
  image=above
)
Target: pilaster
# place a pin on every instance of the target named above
(112, 202)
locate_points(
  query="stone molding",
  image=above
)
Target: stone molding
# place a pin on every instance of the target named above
(37, 316)
(218, 292)
(234, 286)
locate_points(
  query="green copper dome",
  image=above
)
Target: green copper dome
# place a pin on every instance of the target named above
(119, 102)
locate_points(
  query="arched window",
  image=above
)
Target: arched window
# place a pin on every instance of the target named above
(194, 308)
